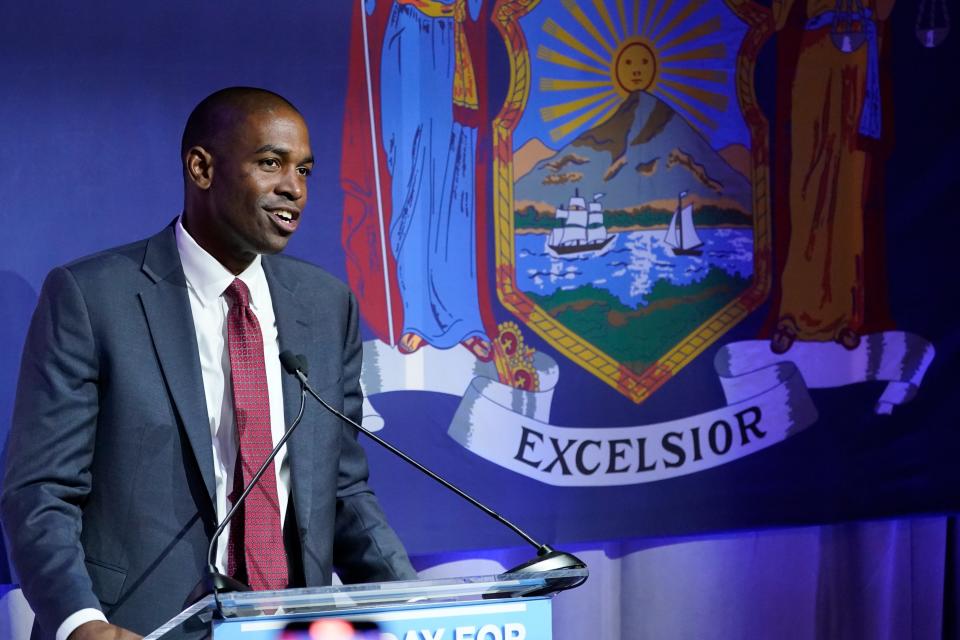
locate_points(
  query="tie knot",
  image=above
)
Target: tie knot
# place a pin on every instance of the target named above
(238, 293)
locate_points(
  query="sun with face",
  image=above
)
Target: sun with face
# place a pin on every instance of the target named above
(604, 51)
(634, 66)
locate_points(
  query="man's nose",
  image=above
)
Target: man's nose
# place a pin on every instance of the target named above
(292, 186)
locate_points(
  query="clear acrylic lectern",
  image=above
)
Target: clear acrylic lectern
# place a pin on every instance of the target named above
(510, 606)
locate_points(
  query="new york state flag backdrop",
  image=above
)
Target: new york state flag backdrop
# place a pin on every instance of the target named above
(614, 292)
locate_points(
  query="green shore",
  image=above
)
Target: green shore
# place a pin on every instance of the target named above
(638, 337)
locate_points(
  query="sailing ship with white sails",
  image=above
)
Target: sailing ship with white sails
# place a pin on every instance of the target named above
(682, 234)
(583, 230)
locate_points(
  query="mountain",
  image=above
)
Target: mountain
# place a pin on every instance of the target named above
(526, 157)
(738, 157)
(644, 152)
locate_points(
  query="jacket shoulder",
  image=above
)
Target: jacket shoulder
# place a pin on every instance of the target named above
(130, 254)
(121, 271)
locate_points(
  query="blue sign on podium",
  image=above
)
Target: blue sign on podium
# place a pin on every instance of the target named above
(491, 620)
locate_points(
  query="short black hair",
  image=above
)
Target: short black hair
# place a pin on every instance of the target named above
(215, 112)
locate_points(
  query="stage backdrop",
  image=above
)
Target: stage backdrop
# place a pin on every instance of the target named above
(627, 268)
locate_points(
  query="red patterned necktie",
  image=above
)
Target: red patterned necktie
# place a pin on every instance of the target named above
(259, 527)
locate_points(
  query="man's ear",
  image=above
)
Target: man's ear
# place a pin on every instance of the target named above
(199, 167)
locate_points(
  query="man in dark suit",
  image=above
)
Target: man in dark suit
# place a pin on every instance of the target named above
(130, 418)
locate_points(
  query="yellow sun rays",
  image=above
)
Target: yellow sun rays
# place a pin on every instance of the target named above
(635, 45)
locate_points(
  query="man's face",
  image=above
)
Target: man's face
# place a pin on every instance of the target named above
(258, 187)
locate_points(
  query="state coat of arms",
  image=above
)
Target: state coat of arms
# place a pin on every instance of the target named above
(631, 181)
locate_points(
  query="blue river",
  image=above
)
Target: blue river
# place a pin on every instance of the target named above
(632, 263)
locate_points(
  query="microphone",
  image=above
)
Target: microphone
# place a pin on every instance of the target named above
(547, 559)
(215, 582)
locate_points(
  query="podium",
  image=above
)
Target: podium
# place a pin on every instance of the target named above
(510, 606)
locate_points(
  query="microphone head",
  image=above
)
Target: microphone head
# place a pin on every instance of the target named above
(302, 359)
(291, 363)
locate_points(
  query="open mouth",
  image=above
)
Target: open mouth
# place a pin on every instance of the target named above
(286, 218)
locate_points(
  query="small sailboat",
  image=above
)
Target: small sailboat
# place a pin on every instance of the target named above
(682, 234)
(583, 230)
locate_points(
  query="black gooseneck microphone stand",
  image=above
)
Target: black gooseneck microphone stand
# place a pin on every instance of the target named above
(547, 558)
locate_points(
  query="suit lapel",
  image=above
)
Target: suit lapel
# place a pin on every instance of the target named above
(167, 309)
(294, 330)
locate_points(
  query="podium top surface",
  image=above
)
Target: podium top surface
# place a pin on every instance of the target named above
(356, 598)
(380, 594)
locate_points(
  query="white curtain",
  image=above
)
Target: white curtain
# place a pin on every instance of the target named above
(872, 580)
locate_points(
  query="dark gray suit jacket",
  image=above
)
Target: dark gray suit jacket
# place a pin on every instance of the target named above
(107, 495)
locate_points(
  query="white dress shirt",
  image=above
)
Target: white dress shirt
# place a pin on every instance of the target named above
(207, 279)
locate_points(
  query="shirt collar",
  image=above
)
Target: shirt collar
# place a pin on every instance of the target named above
(209, 279)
